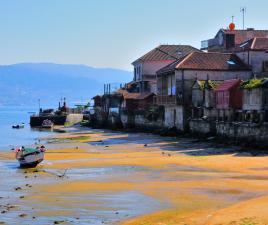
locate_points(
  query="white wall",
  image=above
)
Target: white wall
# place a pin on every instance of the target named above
(150, 68)
(169, 117)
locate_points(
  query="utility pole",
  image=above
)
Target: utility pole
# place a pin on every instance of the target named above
(243, 10)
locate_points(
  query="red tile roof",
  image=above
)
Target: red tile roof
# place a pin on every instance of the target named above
(244, 35)
(255, 44)
(166, 52)
(134, 95)
(145, 95)
(207, 61)
(128, 95)
(228, 84)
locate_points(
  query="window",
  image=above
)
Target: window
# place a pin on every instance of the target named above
(231, 62)
(265, 66)
(243, 45)
(135, 71)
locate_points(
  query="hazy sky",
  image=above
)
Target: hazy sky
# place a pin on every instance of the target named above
(112, 33)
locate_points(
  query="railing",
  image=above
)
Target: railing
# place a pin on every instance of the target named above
(165, 100)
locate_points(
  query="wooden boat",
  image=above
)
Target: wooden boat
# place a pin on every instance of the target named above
(47, 124)
(18, 126)
(30, 157)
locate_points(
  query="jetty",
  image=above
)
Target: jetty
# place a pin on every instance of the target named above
(61, 116)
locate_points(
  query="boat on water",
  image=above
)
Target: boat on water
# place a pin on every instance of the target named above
(18, 126)
(47, 124)
(30, 157)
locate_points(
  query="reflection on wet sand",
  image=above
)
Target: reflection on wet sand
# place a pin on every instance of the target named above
(101, 177)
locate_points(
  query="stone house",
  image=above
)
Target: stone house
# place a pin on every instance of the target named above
(146, 66)
(204, 112)
(255, 100)
(203, 99)
(254, 53)
(175, 81)
(225, 39)
(228, 99)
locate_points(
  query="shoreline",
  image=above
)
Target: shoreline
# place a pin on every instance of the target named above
(135, 178)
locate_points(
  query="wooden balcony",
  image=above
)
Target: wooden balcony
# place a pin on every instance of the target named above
(165, 100)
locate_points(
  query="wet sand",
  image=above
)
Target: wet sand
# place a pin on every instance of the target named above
(104, 177)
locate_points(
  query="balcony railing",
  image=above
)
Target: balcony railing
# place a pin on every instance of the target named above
(165, 100)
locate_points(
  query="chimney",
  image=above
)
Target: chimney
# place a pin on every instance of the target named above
(229, 41)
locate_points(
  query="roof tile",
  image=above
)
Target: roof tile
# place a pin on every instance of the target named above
(166, 52)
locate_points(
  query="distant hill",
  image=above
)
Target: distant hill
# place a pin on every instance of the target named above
(25, 83)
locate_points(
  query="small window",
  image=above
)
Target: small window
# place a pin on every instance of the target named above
(243, 45)
(231, 62)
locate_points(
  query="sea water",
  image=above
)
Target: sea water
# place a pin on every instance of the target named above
(9, 137)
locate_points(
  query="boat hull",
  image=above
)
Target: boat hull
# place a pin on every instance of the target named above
(31, 160)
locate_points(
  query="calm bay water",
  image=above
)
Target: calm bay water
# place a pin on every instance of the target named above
(10, 137)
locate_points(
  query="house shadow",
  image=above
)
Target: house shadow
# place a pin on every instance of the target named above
(188, 146)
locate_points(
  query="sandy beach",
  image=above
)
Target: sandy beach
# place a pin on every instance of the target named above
(104, 177)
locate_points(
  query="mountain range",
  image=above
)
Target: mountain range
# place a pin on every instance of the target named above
(25, 83)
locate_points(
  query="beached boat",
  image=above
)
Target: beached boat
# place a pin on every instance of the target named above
(18, 126)
(30, 157)
(47, 124)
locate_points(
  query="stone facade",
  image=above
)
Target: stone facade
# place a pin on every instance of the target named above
(200, 126)
(256, 60)
(248, 132)
(174, 117)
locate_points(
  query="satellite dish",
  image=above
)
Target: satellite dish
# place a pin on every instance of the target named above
(231, 26)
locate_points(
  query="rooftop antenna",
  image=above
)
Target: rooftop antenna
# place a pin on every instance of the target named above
(232, 19)
(243, 10)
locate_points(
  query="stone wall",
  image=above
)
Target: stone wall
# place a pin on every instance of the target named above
(143, 123)
(246, 132)
(114, 120)
(203, 127)
(74, 118)
(174, 117)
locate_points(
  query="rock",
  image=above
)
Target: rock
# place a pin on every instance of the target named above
(33, 217)
(8, 207)
(23, 215)
(17, 188)
(58, 221)
(26, 177)
(116, 212)
(22, 196)
(4, 211)
(145, 145)
(106, 146)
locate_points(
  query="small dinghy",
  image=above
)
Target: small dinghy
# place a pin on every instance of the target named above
(18, 126)
(47, 124)
(30, 157)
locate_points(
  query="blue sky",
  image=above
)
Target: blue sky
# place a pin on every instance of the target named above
(112, 33)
